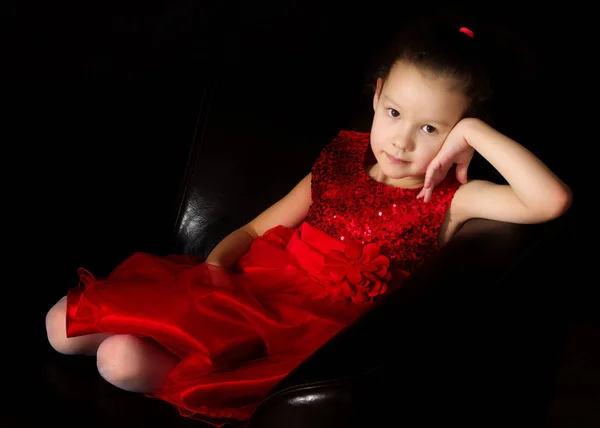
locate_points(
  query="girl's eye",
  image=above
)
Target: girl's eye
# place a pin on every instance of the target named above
(429, 129)
(393, 113)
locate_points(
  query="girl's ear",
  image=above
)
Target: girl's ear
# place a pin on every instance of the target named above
(377, 92)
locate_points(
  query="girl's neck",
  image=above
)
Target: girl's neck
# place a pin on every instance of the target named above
(405, 183)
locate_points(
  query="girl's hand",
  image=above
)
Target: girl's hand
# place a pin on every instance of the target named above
(455, 150)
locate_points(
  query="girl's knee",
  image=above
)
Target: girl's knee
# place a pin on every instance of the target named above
(115, 358)
(133, 363)
(56, 327)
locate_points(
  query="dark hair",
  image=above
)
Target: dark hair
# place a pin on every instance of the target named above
(437, 45)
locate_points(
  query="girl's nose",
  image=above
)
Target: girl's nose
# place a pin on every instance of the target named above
(403, 141)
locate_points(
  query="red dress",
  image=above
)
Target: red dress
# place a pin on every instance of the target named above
(239, 332)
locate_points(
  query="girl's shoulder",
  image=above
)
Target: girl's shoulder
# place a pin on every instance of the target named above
(347, 141)
(339, 160)
(347, 147)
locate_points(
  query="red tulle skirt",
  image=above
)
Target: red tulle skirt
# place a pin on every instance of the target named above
(237, 333)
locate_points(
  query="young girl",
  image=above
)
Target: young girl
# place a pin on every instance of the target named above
(213, 337)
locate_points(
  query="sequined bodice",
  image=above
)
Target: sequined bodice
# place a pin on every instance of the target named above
(349, 204)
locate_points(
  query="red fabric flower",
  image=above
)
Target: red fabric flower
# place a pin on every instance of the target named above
(359, 273)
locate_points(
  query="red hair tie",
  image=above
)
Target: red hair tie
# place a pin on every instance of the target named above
(468, 32)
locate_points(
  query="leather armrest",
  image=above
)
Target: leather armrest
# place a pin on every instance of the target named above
(401, 337)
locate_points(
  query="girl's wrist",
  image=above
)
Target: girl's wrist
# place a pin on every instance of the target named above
(473, 129)
(213, 261)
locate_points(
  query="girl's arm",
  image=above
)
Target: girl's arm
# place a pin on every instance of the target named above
(289, 211)
(534, 194)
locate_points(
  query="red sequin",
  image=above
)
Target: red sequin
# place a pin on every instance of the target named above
(349, 204)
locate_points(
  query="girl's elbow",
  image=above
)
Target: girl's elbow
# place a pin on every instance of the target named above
(559, 204)
(565, 200)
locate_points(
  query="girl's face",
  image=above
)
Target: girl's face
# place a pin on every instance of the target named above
(414, 112)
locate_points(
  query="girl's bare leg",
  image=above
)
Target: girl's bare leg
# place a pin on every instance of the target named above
(128, 362)
(57, 333)
(134, 363)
